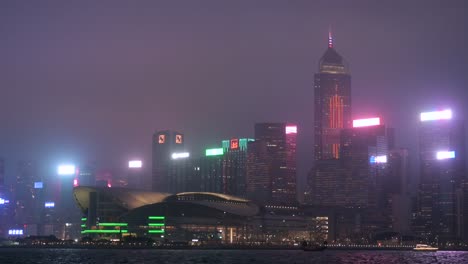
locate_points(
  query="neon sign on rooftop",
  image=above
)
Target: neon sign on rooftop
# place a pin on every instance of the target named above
(436, 115)
(375, 121)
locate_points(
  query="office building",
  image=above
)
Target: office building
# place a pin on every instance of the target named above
(462, 207)
(332, 106)
(442, 171)
(181, 173)
(208, 173)
(280, 141)
(396, 190)
(364, 156)
(87, 175)
(2, 174)
(356, 179)
(235, 166)
(134, 174)
(27, 179)
(258, 172)
(165, 143)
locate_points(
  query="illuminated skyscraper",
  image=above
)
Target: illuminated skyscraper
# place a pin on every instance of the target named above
(165, 143)
(364, 156)
(221, 170)
(332, 91)
(181, 173)
(442, 168)
(2, 175)
(5, 206)
(87, 175)
(208, 174)
(280, 141)
(258, 173)
(463, 210)
(235, 165)
(396, 190)
(25, 192)
(356, 178)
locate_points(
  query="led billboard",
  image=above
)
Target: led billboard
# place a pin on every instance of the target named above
(38, 185)
(441, 155)
(49, 204)
(66, 170)
(436, 115)
(214, 152)
(3, 201)
(135, 164)
(234, 144)
(291, 129)
(15, 232)
(375, 121)
(180, 155)
(378, 159)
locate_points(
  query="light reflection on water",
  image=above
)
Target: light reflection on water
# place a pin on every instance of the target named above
(62, 256)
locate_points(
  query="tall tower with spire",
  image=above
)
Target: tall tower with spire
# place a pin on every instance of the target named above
(332, 103)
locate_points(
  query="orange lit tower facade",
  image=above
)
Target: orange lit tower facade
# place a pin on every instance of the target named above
(332, 91)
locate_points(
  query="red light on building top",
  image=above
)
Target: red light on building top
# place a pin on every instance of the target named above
(375, 121)
(234, 143)
(291, 130)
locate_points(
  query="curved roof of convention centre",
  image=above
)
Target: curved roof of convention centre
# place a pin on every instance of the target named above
(128, 199)
(213, 196)
(219, 201)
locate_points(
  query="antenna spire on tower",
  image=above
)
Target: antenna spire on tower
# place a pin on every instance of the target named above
(330, 37)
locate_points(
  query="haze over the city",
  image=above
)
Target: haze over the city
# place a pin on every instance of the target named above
(93, 80)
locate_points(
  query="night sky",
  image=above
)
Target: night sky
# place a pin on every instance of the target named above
(92, 80)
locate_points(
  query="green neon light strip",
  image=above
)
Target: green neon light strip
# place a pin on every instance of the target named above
(83, 225)
(84, 219)
(156, 224)
(112, 224)
(156, 231)
(156, 217)
(104, 231)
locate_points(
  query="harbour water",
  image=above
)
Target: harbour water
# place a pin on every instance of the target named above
(65, 256)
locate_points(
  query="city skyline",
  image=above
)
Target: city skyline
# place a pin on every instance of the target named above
(308, 125)
(111, 135)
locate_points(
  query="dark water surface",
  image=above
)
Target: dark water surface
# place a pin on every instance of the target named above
(62, 256)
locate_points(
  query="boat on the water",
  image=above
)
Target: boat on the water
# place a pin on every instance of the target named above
(424, 247)
(313, 247)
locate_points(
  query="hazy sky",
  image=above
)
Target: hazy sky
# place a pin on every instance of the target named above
(92, 80)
